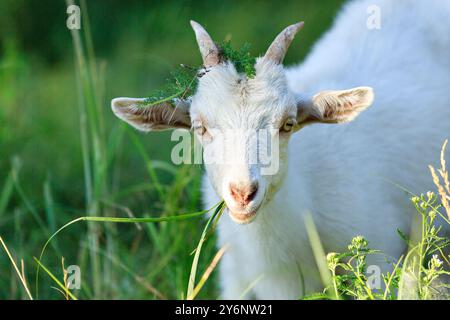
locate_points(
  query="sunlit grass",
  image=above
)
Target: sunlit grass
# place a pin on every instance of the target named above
(218, 209)
(157, 257)
(19, 274)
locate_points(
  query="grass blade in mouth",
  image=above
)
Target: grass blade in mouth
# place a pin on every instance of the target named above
(219, 209)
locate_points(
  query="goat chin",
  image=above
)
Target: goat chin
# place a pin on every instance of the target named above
(242, 218)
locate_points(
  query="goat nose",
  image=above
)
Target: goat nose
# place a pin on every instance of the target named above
(243, 193)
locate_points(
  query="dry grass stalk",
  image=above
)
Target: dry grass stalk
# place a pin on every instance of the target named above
(66, 284)
(444, 187)
(19, 274)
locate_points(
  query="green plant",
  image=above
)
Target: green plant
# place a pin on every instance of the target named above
(218, 210)
(243, 61)
(419, 274)
(422, 269)
(353, 281)
(183, 81)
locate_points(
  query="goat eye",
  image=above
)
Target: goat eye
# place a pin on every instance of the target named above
(288, 125)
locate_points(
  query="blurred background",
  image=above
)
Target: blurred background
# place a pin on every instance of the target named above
(64, 155)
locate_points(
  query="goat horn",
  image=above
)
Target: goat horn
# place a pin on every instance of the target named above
(208, 49)
(280, 45)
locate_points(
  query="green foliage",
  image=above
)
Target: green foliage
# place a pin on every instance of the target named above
(353, 280)
(182, 83)
(423, 264)
(183, 80)
(415, 276)
(219, 207)
(243, 61)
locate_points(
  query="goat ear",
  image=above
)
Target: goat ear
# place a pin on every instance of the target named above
(162, 116)
(334, 106)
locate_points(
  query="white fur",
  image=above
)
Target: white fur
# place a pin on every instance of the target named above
(342, 174)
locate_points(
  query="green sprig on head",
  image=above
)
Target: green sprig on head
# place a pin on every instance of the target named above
(183, 80)
(182, 83)
(243, 61)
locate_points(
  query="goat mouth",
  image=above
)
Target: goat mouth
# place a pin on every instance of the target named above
(242, 218)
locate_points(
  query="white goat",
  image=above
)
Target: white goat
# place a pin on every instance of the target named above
(344, 175)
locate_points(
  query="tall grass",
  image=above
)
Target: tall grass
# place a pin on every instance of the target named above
(16, 269)
(156, 258)
(219, 207)
(97, 152)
